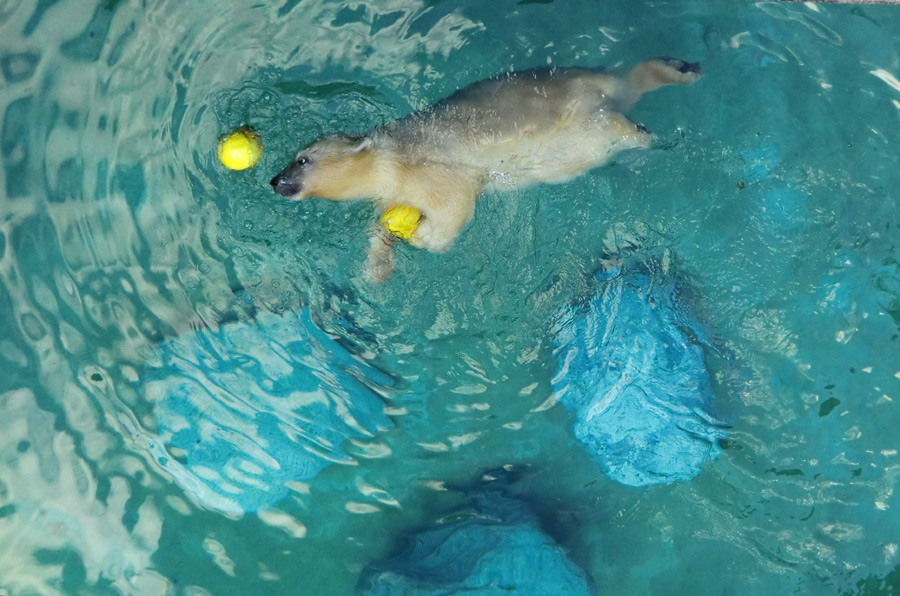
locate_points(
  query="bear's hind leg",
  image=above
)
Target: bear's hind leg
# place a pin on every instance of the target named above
(655, 73)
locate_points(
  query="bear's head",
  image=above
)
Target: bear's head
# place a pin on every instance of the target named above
(337, 167)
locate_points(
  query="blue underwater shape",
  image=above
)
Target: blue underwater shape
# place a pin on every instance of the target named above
(631, 368)
(495, 549)
(246, 409)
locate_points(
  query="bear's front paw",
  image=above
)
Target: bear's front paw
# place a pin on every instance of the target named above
(380, 261)
(377, 273)
(430, 236)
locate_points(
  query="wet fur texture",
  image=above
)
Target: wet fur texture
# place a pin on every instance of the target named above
(516, 130)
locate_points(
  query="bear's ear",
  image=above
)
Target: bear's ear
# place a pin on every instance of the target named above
(364, 145)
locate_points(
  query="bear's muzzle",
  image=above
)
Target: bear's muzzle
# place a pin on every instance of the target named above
(286, 182)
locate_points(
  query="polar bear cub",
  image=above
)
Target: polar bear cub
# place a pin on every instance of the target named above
(519, 129)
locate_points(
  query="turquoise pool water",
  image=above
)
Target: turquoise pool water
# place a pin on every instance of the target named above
(772, 187)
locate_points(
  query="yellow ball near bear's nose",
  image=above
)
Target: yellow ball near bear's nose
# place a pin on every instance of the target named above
(240, 149)
(401, 220)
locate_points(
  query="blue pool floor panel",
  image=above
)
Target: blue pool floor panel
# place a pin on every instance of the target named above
(245, 409)
(493, 548)
(632, 370)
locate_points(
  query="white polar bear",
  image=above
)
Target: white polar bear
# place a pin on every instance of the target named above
(545, 125)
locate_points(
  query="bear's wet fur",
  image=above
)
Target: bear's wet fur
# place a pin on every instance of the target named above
(523, 128)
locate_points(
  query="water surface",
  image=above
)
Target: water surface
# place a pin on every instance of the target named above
(772, 190)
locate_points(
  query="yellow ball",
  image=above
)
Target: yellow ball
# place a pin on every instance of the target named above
(401, 221)
(240, 149)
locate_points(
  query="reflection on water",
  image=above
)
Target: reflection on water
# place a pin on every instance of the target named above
(122, 240)
(62, 520)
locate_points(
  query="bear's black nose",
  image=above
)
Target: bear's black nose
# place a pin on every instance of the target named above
(691, 67)
(284, 186)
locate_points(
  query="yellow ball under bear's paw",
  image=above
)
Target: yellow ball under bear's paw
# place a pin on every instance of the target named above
(401, 221)
(240, 149)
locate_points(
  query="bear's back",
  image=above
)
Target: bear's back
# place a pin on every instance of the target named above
(485, 123)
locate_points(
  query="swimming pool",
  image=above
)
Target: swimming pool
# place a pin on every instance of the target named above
(770, 192)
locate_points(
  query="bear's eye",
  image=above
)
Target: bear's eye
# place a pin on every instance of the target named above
(302, 160)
